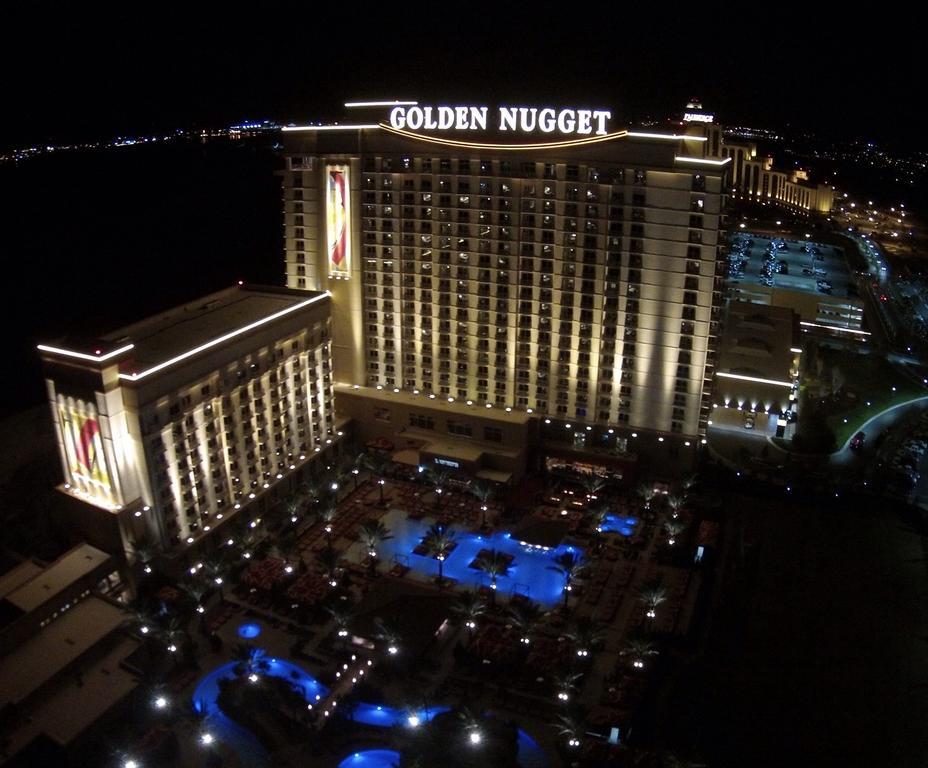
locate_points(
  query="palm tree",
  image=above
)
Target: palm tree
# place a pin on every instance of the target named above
(295, 507)
(596, 518)
(676, 503)
(143, 547)
(342, 620)
(195, 591)
(639, 648)
(327, 516)
(215, 570)
(592, 484)
(377, 464)
(585, 635)
(355, 464)
(250, 659)
(652, 596)
(673, 528)
(495, 565)
(646, 492)
(468, 607)
(329, 559)
(525, 617)
(566, 685)
(144, 621)
(569, 730)
(438, 479)
(388, 636)
(484, 491)
(439, 541)
(371, 534)
(571, 566)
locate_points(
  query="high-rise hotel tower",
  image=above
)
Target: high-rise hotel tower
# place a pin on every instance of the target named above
(514, 260)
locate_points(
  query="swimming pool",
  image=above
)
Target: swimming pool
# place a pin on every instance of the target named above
(371, 758)
(383, 716)
(249, 630)
(622, 525)
(529, 572)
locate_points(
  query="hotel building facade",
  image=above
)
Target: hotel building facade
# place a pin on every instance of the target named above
(168, 427)
(515, 260)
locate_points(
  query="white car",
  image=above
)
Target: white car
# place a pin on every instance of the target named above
(749, 421)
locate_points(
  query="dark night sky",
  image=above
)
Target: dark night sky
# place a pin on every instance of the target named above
(74, 75)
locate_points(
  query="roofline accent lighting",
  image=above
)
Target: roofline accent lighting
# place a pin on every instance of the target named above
(84, 355)
(224, 338)
(833, 328)
(347, 127)
(755, 379)
(504, 147)
(353, 104)
(702, 161)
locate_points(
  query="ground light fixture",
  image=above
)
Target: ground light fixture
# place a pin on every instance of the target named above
(475, 737)
(130, 764)
(413, 721)
(393, 650)
(160, 702)
(206, 739)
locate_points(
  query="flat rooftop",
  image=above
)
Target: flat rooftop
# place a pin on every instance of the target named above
(758, 341)
(40, 658)
(72, 706)
(458, 408)
(188, 329)
(51, 581)
(829, 259)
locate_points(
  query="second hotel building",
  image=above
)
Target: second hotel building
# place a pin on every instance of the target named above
(504, 274)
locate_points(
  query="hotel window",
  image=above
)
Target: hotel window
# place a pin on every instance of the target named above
(641, 177)
(421, 421)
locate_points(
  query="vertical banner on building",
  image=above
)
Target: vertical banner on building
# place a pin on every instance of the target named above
(338, 224)
(83, 447)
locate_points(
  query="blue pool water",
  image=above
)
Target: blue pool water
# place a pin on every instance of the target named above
(371, 758)
(623, 525)
(384, 716)
(249, 630)
(529, 572)
(531, 755)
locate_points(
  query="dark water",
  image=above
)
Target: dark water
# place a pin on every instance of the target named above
(90, 241)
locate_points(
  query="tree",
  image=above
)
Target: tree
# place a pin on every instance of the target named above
(372, 534)
(676, 503)
(378, 464)
(569, 730)
(467, 608)
(327, 517)
(438, 479)
(566, 685)
(342, 621)
(638, 649)
(585, 635)
(572, 567)
(647, 493)
(328, 559)
(250, 660)
(495, 565)
(296, 508)
(525, 617)
(439, 541)
(596, 517)
(484, 491)
(673, 528)
(387, 636)
(592, 484)
(652, 596)
(144, 549)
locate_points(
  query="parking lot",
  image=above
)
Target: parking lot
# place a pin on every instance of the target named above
(796, 265)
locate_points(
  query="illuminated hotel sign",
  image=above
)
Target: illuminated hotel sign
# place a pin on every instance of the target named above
(338, 220)
(697, 117)
(581, 122)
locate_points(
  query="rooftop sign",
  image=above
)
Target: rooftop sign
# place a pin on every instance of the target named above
(581, 122)
(697, 117)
